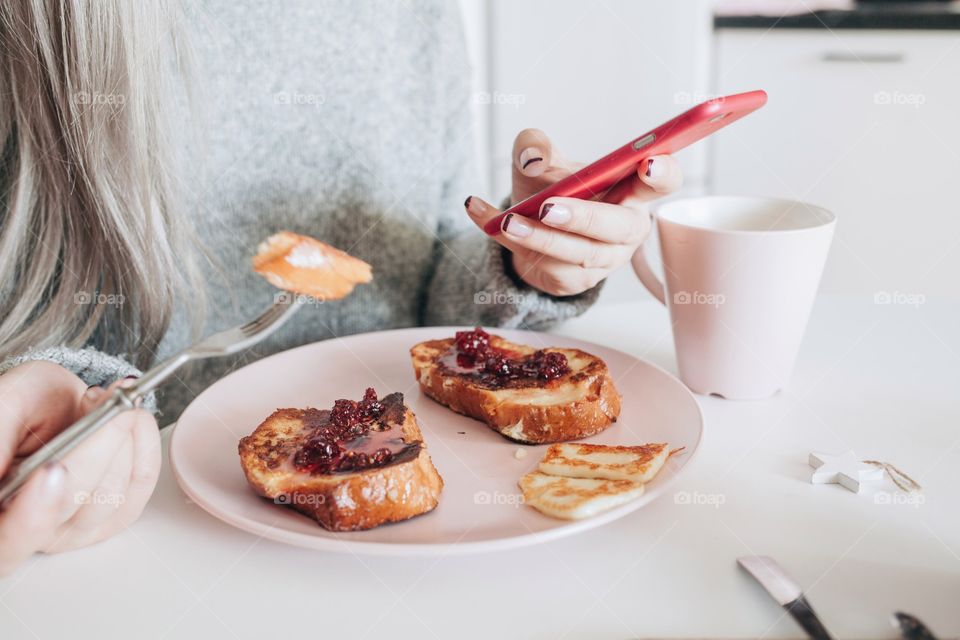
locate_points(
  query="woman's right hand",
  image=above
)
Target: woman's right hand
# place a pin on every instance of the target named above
(97, 490)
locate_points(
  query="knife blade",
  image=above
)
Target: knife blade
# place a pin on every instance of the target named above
(786, 592)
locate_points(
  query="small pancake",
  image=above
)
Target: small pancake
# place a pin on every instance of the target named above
(576, 498)
(580, 460)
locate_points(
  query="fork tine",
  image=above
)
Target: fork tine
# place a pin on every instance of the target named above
(276, 315)
(257, 322)
(232, 340)
(265, 318)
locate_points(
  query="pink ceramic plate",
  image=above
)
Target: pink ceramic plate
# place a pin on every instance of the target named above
(480, 507)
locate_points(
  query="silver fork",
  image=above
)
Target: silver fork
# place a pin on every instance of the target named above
(220, 344)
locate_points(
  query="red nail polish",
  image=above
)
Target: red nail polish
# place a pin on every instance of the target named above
(545, 210)
(466, 203)
(649, 170)
(506, 222)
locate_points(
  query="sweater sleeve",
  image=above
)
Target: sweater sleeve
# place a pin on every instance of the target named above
(95, 368)
(472, 281)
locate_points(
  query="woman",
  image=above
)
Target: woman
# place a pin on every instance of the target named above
(149, 150)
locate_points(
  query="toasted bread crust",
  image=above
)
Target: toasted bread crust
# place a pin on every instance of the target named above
(340, 501)
(585, 401)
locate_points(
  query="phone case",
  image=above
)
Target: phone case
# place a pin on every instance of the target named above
(594, 181)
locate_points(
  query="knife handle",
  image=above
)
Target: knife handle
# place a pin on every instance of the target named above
(803, 613)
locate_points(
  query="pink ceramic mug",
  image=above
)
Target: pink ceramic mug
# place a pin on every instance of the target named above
(741, 275)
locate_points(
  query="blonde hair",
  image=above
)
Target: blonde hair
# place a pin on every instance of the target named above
(93, 246)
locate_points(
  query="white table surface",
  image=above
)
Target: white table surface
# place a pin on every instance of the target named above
(883, 380)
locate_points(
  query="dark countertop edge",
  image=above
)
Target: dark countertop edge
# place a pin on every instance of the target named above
(944, 21)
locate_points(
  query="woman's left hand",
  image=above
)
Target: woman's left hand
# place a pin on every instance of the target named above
(576, 243)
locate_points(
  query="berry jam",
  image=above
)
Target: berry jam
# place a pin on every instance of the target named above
(495, 367)
(348, 414)
(354, 436)
(472, 344)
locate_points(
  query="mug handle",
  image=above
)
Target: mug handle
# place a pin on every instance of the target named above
(641, 266)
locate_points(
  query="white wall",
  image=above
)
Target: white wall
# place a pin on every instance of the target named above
(476, 26)
(592, 74)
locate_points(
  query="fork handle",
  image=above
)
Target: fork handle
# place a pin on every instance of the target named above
(121, 400)
(65, 441)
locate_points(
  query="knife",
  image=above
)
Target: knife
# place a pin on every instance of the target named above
(786, 592)
(910, 627)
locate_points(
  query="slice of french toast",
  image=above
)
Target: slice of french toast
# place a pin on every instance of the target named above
(357, 466)
(535, 396)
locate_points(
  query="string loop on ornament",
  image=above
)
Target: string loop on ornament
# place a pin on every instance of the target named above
(902, 480)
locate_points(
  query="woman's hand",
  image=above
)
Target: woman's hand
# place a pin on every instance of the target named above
(98, 489)
(576, 243)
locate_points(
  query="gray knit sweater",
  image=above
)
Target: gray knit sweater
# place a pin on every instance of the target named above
(347, 120)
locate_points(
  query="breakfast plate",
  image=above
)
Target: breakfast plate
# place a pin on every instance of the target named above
(481, 505)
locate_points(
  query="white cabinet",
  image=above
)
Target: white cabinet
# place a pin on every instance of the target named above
(866, 123)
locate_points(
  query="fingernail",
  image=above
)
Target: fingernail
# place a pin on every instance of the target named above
(474, 206)
(53, 483)
(553, 213)
(516, 226)
(529, 156)
(126, 382)
(654, 169)
(93, 392)
(466, 203)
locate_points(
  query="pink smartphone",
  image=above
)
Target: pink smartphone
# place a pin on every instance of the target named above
(595, 181)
